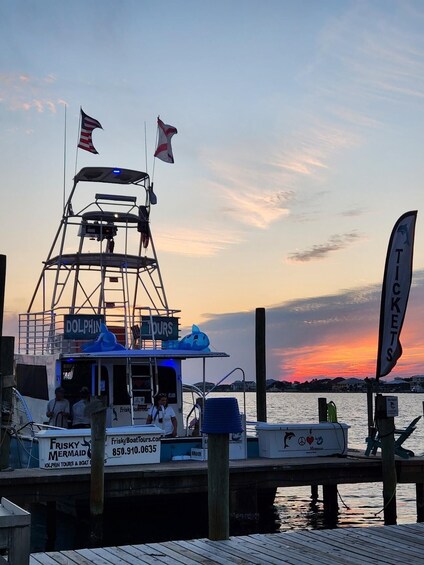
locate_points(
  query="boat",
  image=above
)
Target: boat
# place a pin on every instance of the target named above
(99, 316)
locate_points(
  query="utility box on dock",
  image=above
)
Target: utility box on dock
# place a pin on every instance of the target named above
(302, 440)
(15, 532)
(133, 445)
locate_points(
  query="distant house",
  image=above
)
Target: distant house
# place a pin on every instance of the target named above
(208, 386)
(349, 385)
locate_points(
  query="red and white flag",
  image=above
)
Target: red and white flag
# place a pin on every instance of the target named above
(164, 149)
(87, 126)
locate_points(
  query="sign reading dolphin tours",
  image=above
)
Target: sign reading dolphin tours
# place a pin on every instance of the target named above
(82, 326)
(395, 292)
(60, 449)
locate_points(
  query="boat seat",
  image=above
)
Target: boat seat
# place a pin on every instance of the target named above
(373, 443)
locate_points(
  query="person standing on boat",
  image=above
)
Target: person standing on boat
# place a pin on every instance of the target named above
(79, 419)
(163, 415)
(58, 410)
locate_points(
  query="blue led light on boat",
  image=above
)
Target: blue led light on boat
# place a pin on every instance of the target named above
(116, 171)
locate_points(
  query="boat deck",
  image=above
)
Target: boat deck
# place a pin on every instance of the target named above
(388, 545)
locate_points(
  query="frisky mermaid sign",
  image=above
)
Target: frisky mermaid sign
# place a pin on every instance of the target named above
(395, 292)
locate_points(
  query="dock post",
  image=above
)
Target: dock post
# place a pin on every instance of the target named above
(97, 410)
(386, 429)
(221, 418)
(314, 493)
(218, 487)
(2, 291)
(51, 525)
(331, 506)
(322, 417)
(260, 349)
(322, 410)
(370, 414)
(7, 348)
(419, 489)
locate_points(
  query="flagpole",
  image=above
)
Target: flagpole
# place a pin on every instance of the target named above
(64, 161)
(78, 138)
(156, 142)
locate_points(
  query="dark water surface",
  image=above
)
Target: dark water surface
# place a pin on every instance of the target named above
(359, 505)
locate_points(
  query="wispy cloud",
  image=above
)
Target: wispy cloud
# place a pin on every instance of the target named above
(204, 242)
(262, 186)
(371, 54)
(336, 242)
(21, 92)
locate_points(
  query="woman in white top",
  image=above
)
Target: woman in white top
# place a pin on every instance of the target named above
(163, 415)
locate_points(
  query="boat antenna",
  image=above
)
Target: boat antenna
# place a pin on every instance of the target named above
(78, 138)
(64, 160)
(145, 145)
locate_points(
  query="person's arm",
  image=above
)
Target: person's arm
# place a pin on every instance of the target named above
(49, 412)
(174, 426)
(149, 416)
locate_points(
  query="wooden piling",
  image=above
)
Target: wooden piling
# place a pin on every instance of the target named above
(51, 522)
(2, 292)
(370, 413)
(218, 486)
(322, 410)
(386, 429)
(331, 506)
(260, 349)
(419, 490)
(7, 349)
(97, 410)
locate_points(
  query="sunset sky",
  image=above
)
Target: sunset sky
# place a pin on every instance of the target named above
(300, 143)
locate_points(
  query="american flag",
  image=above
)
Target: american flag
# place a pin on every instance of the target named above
(164, 149)
(87, 126)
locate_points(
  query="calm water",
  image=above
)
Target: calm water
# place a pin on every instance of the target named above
(293, 505)
(293, 509)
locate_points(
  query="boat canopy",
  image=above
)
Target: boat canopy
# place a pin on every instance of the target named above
(149, 354)
(114, 175)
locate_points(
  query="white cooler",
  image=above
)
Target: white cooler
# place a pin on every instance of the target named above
(133, 445)
(302, 440)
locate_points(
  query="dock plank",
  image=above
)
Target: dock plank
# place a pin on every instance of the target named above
(46, 559)
(377, 538)
(291, 549)
(375, 545)
(323, 551)
(186, 552)
(124, 555)
(176, 557)
(353, 551)
(284, 554)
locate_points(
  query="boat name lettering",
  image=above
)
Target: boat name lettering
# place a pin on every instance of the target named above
(54, 444)
(59, 454)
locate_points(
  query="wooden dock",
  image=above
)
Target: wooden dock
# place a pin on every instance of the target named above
(189, 477)
(382, 545)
